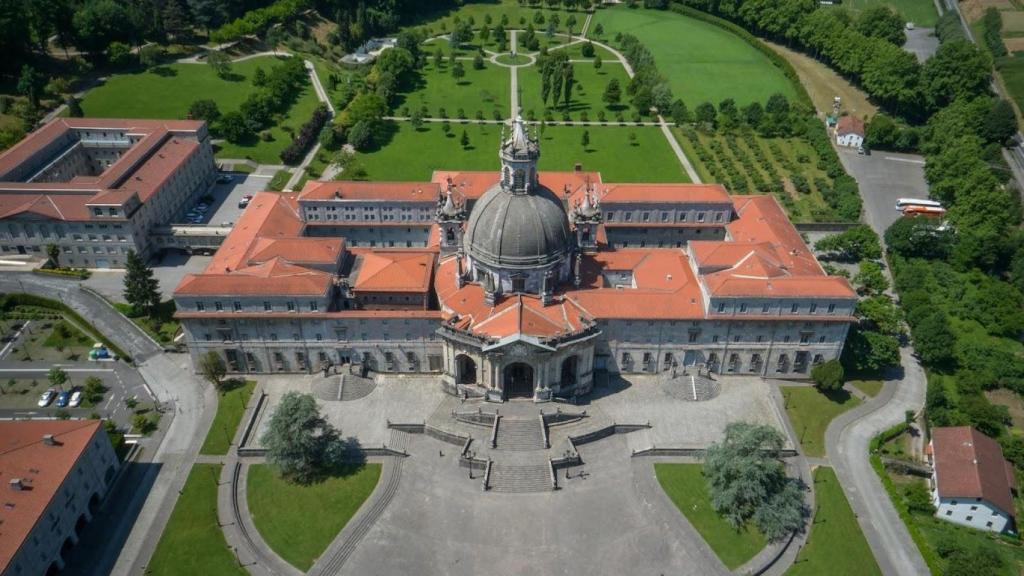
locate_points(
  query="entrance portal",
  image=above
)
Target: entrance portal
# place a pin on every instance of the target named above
(519, 380)
(466, 369)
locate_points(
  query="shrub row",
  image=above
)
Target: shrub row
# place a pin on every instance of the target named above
(308, 134)
(80, 273)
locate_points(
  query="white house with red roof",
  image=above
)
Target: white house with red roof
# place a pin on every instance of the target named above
(97, 188)
(850, 132)
(971, 484)
(516, 282)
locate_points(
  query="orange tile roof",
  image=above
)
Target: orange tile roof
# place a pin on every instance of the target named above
(275, 276)
(394, 271)
(662, 193)
(68, 207)
(850, 125)
(298, 250)
(969, 464)
(382, 191)
(41, 468)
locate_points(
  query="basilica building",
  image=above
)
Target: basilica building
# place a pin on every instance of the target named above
(516, 283)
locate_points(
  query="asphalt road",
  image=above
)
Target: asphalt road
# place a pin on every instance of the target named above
(847, 438)
(883, 178)
(224, 209)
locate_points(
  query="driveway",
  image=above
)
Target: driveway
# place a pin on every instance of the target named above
(921, 42)
(883, 178)
(168, 268)
(847, 438)
(224, 209)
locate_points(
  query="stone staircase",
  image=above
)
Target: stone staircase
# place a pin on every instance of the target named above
(519, 434)
(520, 478)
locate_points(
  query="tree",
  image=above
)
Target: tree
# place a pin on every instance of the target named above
(464, 140)
(599, 30)
(120, 54)
(458, 72)
(585, 140)
(234, 128)
(204, 110)
(747, 481)
(53, 253)
(597, 62)
(98, 23)
(438, 58)
(29, 83)
(220, 62)
(857, 243)
(416, 119)
(870, 280)
(869, 351)
(150, 55)
(612, 92)
(361, 136)
(1000, 122)
(706, 114)
(882, 22)
(141, 289)
(588, 50)
(212, 367)
(880, 314)
(478, 62)
(680, 113)
(958, 69)
(57, 377)
(300, 442)
(208, 13)
(74, 107)
(934, 339)
(93, 390)
(828, 375)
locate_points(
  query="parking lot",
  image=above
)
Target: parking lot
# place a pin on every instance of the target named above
(224, 210)
(884, 177)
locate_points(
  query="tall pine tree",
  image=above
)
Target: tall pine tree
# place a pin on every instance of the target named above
(141, 289)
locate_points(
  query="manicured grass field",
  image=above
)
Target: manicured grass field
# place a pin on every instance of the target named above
(920, 12)
(823, 84)
(688, 489)
(575, 52)
(869, 387)
(703, 63)
(168, 91)
(496, 9)
(587, 92)
(230, 407)
(192, 541)
(299, 522)
(414, 155)
(836, 545)
(1012, 71)
(810, 412)
(484, 90)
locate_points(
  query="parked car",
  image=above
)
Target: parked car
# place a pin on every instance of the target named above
(224, 179)
(63, 398)
(201, 208)
(46, 398)
(76, 399)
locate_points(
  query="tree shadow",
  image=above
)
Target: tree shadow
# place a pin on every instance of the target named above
(230, 384)
(232, 77)
(164, 71)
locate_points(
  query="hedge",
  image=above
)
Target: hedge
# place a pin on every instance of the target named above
(80, 273)
(782, 63)
(9, 301)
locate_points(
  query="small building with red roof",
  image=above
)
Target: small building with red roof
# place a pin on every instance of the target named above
(972, 484)
(97, 188)
(517, 282)
(54, 473)
(850, 132)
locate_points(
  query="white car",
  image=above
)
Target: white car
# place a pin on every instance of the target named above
(76, 399)
(46, 398)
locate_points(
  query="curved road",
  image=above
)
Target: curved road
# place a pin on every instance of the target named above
(847, 439)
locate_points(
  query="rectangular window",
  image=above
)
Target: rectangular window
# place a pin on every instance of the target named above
(238, 306)
(647, 216)
(804, 338)
(217, 305)
(813, 308)
(721, 306)
(743, 308)
(700, 216)
(794, 308)
(714, 339)
(200, 307)
(831, 308)
(291, 306)
(312, 306)
(693, 337)
(267, 307)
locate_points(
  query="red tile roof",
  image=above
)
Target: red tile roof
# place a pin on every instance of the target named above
(394, 271)
(141, 170)
(661, 193)
(969, 464)
(42, 468)
(471, 185)
(382, 191)
(850, 125)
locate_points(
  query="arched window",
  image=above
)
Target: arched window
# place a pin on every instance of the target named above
(519, 179)
(450, 235)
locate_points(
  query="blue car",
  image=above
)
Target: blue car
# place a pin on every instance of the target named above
(63, 398)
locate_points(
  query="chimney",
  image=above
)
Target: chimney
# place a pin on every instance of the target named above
(48, 440)
(16, 485)
(578, 167)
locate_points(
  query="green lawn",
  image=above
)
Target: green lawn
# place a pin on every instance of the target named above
(586, 95)
(810, 412)
(413, 155)
(444, 19)
(230, 407)
(168, 91)
(484, 90)
(836, 546)
(576, 52)
(1012, 71)
(869, 387)
(192, 541)
(299, 522)
(703, 62)
(920, 12)
(688, 489)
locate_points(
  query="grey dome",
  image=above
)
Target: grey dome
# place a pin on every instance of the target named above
(516, 230)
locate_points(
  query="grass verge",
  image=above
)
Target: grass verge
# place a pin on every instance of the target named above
(299, 522)
(192, 541)
(810, 412)
(686, 486)
(230, 407)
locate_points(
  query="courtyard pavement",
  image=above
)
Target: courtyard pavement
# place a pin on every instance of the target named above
(921, 42)
(613, 520)
(168, 269)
